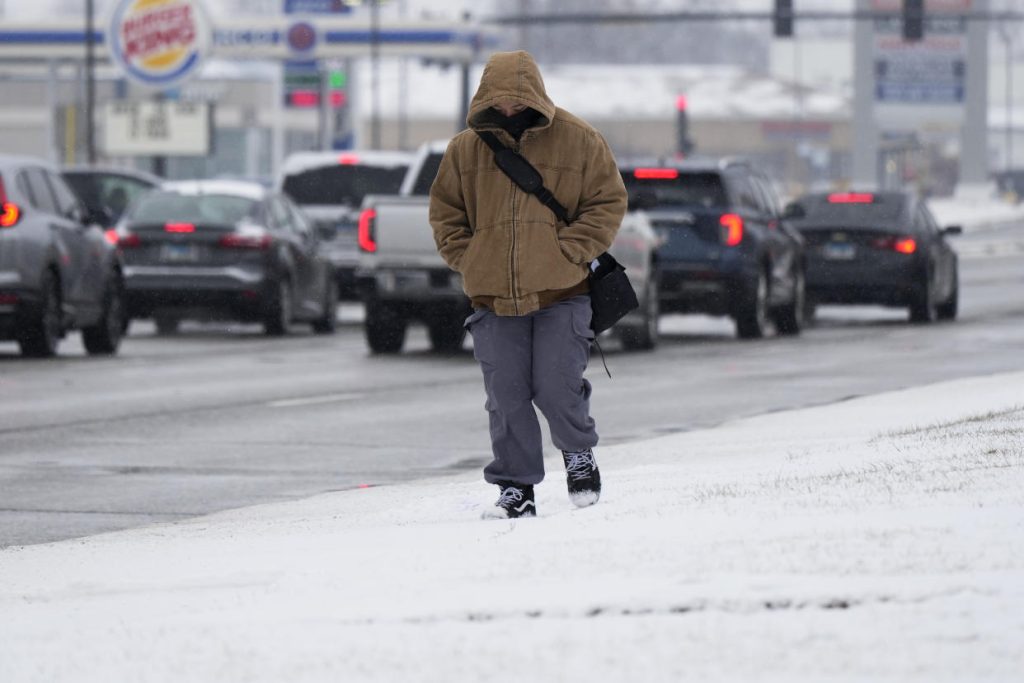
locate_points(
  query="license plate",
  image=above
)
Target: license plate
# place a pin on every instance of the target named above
(179, 253)
(839, 252)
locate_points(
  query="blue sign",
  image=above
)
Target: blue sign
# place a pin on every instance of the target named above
(316, 7)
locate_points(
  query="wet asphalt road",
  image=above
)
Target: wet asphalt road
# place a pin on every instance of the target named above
(221, 417)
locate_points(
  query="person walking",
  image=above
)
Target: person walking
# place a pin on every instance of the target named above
(526, 274)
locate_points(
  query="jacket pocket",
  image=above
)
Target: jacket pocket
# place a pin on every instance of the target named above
(542, 265)
(484, 266)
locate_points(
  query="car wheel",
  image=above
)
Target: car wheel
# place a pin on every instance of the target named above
(752, 316)
(446, 331)
(279, 309)
(327, 323)
(104, 337)
(40, 332)
(166, 325)
(948, 309)
(789, 319)
(922, 307)
(384, 327)
(644, 337)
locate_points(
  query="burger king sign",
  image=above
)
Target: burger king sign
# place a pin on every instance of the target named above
(158, 43)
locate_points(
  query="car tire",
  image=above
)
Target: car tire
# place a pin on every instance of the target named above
(278, 312)
(327, 323)
(948, 309)
(166, 325)
(104, 338)
(789, 319)
(752, 313)
(645, 336)
(384, 327)
(446, 331)
(40, 331)
(922, 306)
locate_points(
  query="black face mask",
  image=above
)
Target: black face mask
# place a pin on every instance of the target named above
(516, 124)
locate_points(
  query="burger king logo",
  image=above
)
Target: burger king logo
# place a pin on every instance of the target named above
(159, 43)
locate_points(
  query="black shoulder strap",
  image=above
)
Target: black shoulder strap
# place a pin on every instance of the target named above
(502, 154)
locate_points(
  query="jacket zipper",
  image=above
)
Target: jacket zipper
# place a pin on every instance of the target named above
(512, 252)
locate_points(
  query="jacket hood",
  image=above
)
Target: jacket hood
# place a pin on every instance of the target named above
(509, 76)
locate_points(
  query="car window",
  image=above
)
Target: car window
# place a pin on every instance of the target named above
(428, 171)
(765, 196)
(111, 192)
(676, 188)
(929, 220)
(280, 215)
(67, 202)
(40, 193)
(161, 206)
(299, 219)
(746, 194)
(343, 184)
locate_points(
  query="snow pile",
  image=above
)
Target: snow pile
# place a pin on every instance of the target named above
(876, 539)
(976, 207)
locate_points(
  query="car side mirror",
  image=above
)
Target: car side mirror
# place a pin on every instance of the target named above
(794, 210)
(643, 201)
(953, 230)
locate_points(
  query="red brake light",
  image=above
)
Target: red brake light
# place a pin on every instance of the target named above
(851, 198)
(905, 245)
(245, 240)
(180, 227)
(348, 159)
(656, 173)
(10, 213)
(732, 229)
(111, 236)
(367, 219)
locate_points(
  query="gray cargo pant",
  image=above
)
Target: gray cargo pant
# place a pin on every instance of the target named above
(539, 359)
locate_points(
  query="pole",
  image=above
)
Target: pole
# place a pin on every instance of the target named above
(865, 131)
(974, 134)
(375, 74)
(1004, 33)
(90, 85)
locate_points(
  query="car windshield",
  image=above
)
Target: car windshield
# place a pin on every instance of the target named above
(676, 188)
(172, 207)
(851, 209)
(343, 184)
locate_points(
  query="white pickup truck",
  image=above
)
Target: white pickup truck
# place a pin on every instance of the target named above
(403, 279)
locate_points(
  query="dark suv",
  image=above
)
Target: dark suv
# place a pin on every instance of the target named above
(725, 248)
(58, 270)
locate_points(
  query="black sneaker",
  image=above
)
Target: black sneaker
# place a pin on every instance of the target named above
(582, 476)
(516, 500)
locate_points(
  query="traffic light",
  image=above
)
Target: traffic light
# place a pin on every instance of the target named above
(684, 145)
(783, 18)
(913, 20)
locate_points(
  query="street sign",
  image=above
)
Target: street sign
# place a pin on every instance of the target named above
(159, 44)
(157, 128)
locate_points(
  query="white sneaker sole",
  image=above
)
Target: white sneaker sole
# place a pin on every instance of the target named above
(501, 513)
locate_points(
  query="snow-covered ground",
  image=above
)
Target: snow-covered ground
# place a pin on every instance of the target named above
(877, 539)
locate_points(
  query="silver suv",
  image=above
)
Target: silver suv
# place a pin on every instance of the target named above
(59, 271)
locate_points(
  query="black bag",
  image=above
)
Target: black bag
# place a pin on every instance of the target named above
(611, 293)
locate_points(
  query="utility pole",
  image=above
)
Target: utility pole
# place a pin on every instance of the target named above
(974, 138)
(90, 85)
(375, 74)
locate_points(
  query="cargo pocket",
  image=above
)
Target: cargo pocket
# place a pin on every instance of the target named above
(581, 315)
(473, 317)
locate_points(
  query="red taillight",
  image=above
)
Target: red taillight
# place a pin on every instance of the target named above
(905, 245)
(9, 215)
(124, 240)
(732, 229)
(348, 159)
(367, 221)
(656, 173)
(238, 240)
(111, 236)
(10, 212)
(8, 299)
(851, 198)
(180, 227)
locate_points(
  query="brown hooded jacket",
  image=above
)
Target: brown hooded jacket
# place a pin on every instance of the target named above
(514, 255)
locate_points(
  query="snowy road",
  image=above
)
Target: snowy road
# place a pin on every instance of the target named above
(213, 420)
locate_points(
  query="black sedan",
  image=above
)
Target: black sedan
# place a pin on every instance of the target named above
(224, 250)
(877, 248)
